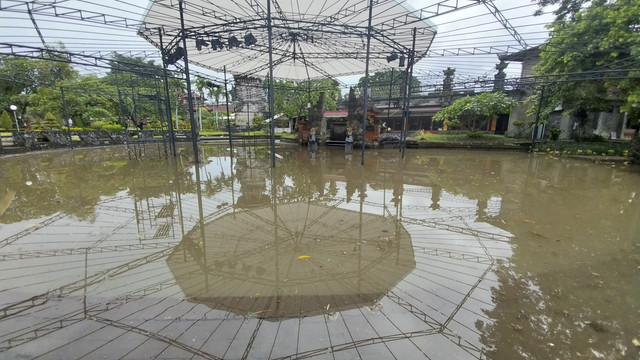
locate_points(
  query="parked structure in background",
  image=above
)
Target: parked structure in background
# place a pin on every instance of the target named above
(610, 125)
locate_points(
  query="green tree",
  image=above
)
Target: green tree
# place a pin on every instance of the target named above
(138, 81)
(474, 112)
(259, 123)
(593, 40)
(292, 98)
(5, 120)
(566, 9)
(50, 122)
(215, 91)
(21, 77)
(87, 99)
(200, 84)
(380, 81)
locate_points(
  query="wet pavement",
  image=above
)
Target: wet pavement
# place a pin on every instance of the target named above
(441, 255)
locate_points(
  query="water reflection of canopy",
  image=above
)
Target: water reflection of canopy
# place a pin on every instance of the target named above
(321, 257)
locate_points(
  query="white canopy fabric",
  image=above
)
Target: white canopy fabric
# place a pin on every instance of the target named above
(311, 39)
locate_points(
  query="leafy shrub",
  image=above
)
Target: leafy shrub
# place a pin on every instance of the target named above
(106, 125)
(475, 135)
(5, 120)
(555, 132)
(453, 124)
(113, 127)
(590, 138)
(520, 128)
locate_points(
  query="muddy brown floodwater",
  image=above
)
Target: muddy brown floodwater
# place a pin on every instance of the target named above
(441, 255)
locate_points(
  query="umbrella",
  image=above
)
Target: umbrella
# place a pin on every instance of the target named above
(295, 259)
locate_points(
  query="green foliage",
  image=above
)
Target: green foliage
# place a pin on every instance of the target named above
(618, 148)
(521, 127)
(460, 138)
(113, 127)
(601, 36)
(50, 122)
(26, 76)
(565, 8)
(453, 124)
(183, 125)
(5, 120)
(37, 88)
(474, 112)
(291, 98)
(259, 123)
(154, 123)
(106, 125)
(380, 81)
(474, 135)
(555, 132)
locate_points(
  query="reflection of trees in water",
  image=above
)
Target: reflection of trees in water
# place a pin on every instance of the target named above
(74, 182)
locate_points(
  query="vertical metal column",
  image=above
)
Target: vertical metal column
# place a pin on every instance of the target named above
(194, 135)
(390, 90)
(165, 80)
(412, 57)
(66, 116)
(120, 98)
(226, 96)
(159, 103)
(271, 97)
(366, 83)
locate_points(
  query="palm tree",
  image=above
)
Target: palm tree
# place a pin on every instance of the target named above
(201, 83)
(215, 91)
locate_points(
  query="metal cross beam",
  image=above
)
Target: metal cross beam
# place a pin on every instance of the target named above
(505, 23)
(73, 58)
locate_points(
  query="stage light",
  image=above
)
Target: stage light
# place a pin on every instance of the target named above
(234, 42)
(392, 57)
(401, 64)
(175, 56)
(200, 43)
(249, 39)
(216, 44)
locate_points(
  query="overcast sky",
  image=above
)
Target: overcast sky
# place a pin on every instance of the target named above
(469, 29)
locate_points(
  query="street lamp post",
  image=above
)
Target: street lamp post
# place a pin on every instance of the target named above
(14, 108)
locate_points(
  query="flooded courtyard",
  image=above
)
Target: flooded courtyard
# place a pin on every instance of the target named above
(440, 255)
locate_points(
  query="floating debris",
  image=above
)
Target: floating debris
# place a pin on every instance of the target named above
(375, 307)
(596, 326)
(303, 257)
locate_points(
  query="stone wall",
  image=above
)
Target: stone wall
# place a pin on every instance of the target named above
(40, 140)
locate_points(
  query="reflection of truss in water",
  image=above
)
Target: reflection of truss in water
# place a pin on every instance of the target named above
(116, 284)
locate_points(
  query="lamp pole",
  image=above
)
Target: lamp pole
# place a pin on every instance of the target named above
(14, 108)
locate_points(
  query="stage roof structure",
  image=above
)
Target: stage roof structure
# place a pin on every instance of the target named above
(311, 40)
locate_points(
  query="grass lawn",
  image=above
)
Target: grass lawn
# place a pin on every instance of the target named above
(463, 138)
(214, 133)
(601, 148)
